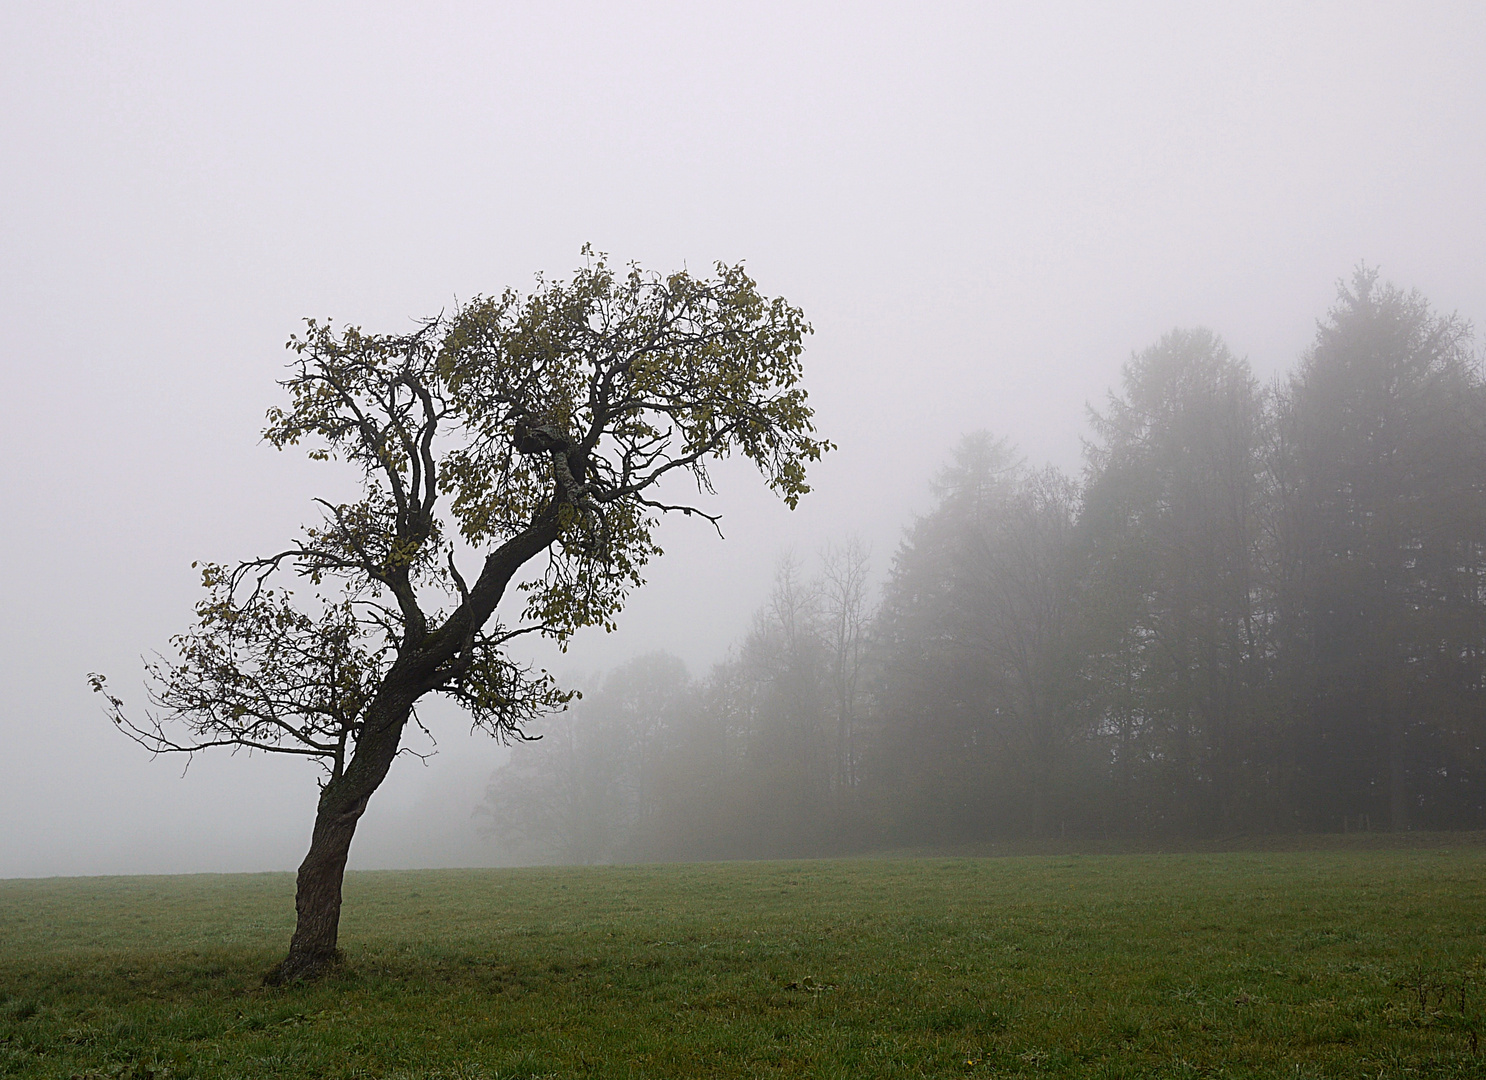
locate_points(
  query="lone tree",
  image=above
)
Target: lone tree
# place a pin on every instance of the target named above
(532, 433)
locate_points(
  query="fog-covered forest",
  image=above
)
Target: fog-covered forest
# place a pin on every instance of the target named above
(981, 210)
(1258, 609)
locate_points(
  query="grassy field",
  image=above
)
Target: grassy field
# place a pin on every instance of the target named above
(1349, 963)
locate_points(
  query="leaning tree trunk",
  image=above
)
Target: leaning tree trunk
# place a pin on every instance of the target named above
(317, 899)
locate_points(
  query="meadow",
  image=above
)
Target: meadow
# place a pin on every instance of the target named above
(1347, 963)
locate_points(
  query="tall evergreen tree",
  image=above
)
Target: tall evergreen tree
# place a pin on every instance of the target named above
(1172, 519)
(1382, 464)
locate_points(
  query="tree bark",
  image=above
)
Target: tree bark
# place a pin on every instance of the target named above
(317, 899)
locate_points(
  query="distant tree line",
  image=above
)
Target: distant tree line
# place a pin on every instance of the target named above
(1259, 609)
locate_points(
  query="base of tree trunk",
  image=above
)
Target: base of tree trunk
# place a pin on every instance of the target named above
(313, 949)
(302, 968)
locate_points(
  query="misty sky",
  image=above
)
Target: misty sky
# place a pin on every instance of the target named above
(983, 208)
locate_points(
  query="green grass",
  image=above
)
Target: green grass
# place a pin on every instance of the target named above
(1325, 963)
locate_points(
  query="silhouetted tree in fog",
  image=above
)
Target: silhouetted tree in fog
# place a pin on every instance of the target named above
(932, 771)
(1016, 612)
(1173, 520)
(1381, 467)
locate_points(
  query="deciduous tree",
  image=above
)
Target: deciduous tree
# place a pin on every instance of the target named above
(528, 438)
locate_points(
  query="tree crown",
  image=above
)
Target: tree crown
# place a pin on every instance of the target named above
(514, 427)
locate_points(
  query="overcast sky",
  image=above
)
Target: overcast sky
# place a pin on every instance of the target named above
(983, 208)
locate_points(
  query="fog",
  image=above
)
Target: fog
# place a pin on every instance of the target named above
(983, 212)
